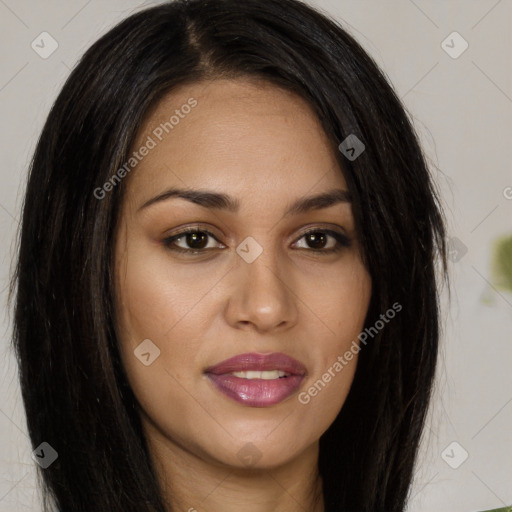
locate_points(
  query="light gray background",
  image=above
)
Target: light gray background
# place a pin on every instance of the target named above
(462, 109)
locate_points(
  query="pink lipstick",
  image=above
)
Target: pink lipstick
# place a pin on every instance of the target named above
(257, 380)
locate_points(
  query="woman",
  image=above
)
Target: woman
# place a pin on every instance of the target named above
(227, 267)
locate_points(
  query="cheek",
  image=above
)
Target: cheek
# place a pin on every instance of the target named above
(340, 302)
(157, 299)
(171, 305)
(155, 305)
(152, 306)
(342, 308)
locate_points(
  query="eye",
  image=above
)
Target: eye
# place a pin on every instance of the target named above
(192, 240)
(318, 241)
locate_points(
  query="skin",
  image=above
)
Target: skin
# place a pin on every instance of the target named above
(266, 148)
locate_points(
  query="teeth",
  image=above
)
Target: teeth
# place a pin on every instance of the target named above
(265, 375)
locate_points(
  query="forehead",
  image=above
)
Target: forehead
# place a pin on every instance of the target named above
(240, 136)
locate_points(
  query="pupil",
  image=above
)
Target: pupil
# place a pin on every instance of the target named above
(197, 240)
(316, 240)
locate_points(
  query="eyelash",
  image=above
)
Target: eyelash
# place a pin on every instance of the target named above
(342, 240)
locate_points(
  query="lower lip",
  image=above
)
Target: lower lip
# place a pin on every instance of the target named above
(256, 392)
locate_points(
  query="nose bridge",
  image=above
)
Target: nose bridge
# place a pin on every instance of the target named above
(261, 294)
(262, 268)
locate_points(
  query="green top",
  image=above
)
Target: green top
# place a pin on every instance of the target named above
(504, 509)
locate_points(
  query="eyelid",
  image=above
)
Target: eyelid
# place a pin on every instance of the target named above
(327, 228)
(196, 228)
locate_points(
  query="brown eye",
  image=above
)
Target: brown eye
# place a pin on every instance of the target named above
(190, 241)
(316, 240)
(319, 241)
(197, 240)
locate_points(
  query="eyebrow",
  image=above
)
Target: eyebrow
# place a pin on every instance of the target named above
(220, 201)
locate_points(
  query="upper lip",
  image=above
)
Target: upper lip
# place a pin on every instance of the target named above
(258, 362)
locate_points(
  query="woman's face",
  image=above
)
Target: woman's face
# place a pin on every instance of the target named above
(249, 283)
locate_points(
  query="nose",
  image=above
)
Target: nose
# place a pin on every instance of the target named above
(263, 296)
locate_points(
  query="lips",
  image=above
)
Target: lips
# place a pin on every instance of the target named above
(257, 380)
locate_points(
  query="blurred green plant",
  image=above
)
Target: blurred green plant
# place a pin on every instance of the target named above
(502, 263)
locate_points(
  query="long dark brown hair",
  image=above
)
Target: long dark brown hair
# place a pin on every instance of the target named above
(74, 388)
